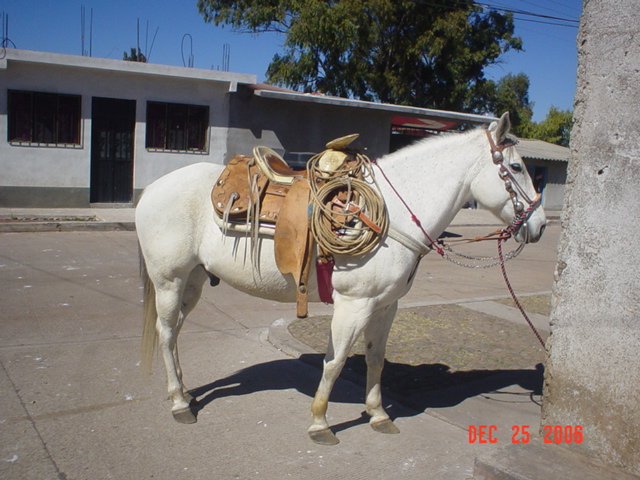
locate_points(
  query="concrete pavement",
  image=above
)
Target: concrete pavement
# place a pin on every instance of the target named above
(75, 404)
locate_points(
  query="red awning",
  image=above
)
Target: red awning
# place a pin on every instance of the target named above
(413, 122)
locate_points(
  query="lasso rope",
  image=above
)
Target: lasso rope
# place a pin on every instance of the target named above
(335, 224)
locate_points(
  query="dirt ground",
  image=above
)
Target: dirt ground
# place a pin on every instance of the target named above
(440, 346)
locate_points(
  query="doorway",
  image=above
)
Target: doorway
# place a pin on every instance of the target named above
(113, 124)
(538, 176)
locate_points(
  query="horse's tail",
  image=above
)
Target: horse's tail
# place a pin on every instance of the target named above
(150, 315)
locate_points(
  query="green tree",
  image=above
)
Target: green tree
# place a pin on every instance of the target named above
(511, 94)
(555, 128)
(413, 52)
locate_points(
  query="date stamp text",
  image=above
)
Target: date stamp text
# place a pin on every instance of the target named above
(522, 434)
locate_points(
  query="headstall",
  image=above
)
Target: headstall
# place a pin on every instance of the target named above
(511, 185)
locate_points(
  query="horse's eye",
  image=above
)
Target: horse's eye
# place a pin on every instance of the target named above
(516, 167)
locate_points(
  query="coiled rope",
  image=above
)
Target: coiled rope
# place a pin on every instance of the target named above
(337, 225)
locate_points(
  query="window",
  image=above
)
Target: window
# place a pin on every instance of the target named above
(175, 126)
(44, 118)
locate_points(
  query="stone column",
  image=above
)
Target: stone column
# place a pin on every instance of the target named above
(592, 374)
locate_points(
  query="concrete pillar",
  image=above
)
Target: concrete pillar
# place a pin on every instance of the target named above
(592, 376)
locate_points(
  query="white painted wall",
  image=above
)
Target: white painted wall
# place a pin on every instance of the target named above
(69, 167)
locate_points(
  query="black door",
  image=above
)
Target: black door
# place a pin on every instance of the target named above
(112, 132)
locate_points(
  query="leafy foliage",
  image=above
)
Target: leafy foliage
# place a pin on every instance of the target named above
(427, 53)
(511, 94)
(555, 128)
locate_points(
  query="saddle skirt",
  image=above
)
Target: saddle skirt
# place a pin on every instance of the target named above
(242, 187)
(245, 197)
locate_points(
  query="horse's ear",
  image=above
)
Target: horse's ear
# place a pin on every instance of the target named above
(503, 127)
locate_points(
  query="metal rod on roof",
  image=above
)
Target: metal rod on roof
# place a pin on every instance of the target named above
(91, 34)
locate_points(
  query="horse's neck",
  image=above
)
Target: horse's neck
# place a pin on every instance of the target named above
(433, 178)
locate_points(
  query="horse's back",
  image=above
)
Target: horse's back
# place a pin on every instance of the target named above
(173, 209)
(183, 181)
(180, 192)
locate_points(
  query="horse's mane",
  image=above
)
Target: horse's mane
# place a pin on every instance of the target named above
(432, 142)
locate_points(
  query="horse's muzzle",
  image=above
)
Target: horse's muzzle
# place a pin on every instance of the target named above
(530, 233)
(538, 234)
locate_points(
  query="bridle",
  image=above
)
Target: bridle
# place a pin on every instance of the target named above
(512, 186)
(520, 219)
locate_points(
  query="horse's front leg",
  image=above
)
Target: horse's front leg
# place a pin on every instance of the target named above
(350, 317)
(375, 336)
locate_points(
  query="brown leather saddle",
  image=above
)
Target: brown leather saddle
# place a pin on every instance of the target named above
(262, 194)
(263, 190)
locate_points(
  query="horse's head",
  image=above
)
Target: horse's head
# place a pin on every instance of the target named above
(503, 185)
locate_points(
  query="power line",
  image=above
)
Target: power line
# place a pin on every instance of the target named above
(545, 22)
(524, 12)
(563, 5)
(544, 19)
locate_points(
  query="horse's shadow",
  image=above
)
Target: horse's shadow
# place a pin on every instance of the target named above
(415, 388)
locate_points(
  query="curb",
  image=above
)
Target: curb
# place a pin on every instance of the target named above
(513, 462)
(64, 226)
(129, 226)
(277, 334)
(279, 337)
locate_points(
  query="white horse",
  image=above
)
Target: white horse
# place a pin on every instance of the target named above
(182, 246)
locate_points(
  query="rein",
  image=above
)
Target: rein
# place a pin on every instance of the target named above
(501, 235)
(515, 299)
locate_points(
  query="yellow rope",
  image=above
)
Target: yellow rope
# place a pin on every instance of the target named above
(340, 231)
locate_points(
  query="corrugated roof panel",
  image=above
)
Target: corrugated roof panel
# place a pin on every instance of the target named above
(404, 110)
(530, 148)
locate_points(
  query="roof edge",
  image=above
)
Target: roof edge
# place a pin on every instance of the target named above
(282, 94)
(96, 63)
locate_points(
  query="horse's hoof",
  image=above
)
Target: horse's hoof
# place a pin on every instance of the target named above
(385, 426)
(189, 398)
(324, 437)
(184, 415)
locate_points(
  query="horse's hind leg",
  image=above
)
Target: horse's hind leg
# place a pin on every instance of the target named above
(190, 297)
(174, 300)
(375, 336)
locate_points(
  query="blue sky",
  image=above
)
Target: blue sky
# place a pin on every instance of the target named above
(549, 59)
